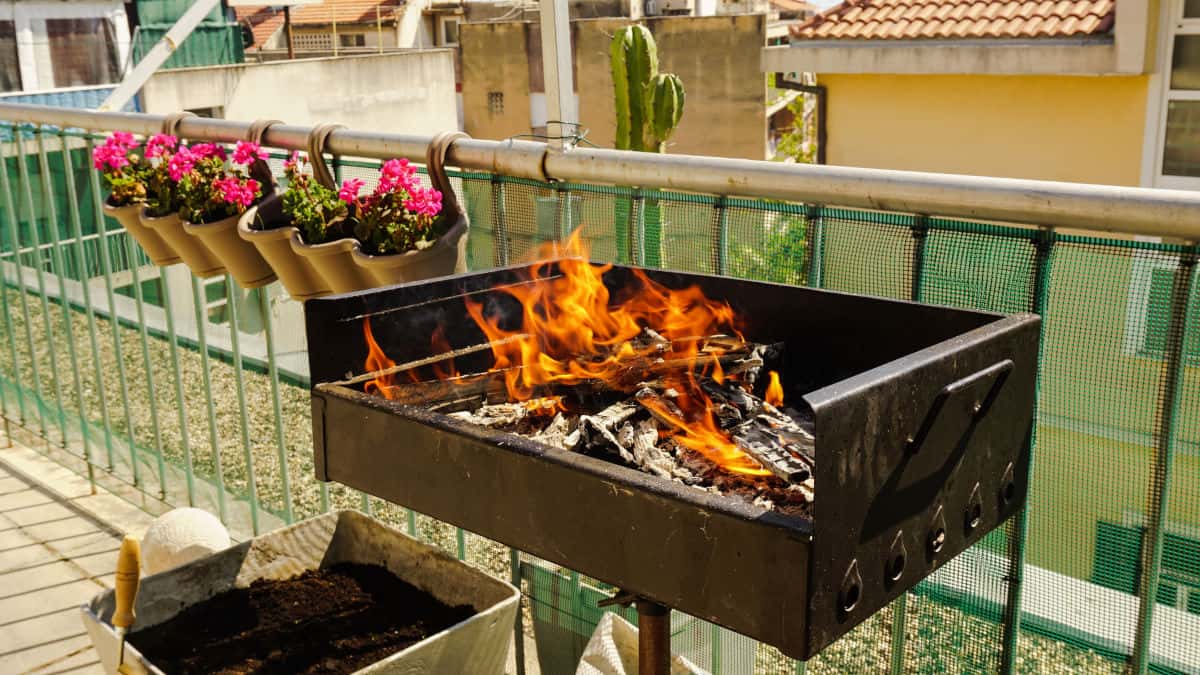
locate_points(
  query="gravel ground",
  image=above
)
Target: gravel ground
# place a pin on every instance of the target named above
(939, 638)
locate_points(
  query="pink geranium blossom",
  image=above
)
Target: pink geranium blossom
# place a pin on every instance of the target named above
(237, 192)
(245, 153)
(426, 202)
(396, 173)
(206, 150)
(182, 162)
(109, 156)
(350, 189)
(159, 145)
(293, 162)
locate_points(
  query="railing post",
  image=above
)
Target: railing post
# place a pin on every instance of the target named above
(720, 236)
(1043, 244)
(132, 253)
(815, 233)
(637, 228)
(173, 344)
(514, 563)
(10, 210)
(920, 235)
(501, 241)
(1160, 483)
(276, 406)
(213, 436)
(231, 299)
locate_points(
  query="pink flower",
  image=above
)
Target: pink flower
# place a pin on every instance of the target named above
(159, 145)
(206, 150)
(245, 153)
(182, 162)
(425, 202)
(396, 173)
(123, 139)
(110, 156)
(234, 191)
(349, 191)
(294, 161)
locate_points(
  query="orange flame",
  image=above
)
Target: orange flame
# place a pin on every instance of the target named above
(718, 373)
(377, 361)
(572, 330)
(774, 391)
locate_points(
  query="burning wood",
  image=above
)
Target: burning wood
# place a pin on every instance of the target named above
(657, 379)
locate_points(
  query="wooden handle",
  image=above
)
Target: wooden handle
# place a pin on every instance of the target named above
(129, 565)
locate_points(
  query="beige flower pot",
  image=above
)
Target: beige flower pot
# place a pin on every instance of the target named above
(274, 245)
(334, 262)
(159, 251)
(447, 256)
(191, 249)
(240, 257)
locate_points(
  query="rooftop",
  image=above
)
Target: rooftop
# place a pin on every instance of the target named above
(959, 19)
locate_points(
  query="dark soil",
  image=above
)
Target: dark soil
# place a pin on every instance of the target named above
(335, 620)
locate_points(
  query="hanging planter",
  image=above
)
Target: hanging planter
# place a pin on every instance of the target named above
(191, 250)
(265, 228)
(216, 196)
(448, 253)
(158, 250)
(342, 592)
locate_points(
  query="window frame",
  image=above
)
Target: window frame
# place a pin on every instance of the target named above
(444, 22)
(108, 32)
(1176, 25)
(16, 58)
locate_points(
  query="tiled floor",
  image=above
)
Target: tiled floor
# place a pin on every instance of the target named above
(52, 560)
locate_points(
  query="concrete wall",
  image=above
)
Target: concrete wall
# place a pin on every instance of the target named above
(402, 92)
(1085, 129)
(717, 58)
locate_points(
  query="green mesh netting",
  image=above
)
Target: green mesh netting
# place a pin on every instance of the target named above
(112, 367)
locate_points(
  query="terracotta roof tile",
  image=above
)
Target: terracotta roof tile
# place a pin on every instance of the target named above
(957, 19)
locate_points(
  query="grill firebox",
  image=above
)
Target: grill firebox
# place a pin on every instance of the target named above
(921, 416)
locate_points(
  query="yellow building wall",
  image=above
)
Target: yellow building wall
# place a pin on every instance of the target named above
(1083, 129)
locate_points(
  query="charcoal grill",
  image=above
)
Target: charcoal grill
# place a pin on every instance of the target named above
(921, 416)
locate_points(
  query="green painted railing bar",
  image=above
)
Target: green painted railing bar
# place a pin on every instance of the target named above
(239, 383)
(264, 306)
(39, 274)
(460, 537)
(412, 522)
(10, 211)
(1043, 256)
(106, 269)
(815, 231)
(132, 252)
(500, 238)
(86, 287)
(1163, 466)
(180, 401)
(213, 437)
(720, 237)
(57, 262)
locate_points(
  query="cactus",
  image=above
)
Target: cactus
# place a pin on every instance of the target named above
(649, 104)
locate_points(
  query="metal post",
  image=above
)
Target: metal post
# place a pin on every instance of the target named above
(287, 29)
(181, 402)
(213, 437)
(920, 234)
(720, 237)
(10, 210)
(276, 406)
(556, 71)
(514, 564)
(131, 253)
(1164, 459)
(654, 638)
(1043, 247)
(815, 232)
(231, 300)
(500, 238)
(637, 228)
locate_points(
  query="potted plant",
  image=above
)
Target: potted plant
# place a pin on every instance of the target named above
(306, 211)
(169, 160)
(213, 196)
(125, 174)
(338, 593)
(408, 232)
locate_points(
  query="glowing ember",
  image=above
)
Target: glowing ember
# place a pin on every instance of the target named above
(774, 391)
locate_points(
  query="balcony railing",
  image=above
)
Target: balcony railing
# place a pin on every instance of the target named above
(173, 390)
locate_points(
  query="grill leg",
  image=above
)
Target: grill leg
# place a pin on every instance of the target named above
(654, 638)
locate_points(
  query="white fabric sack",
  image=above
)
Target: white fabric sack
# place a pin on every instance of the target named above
(613, 650)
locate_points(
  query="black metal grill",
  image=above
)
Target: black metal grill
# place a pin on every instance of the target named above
(921, 417)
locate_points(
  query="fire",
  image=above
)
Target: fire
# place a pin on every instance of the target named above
(572, 331)
(377, 361)
(774, 391)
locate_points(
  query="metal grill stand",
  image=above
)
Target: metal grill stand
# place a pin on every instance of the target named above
(654, 632)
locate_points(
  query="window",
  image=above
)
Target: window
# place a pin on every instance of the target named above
(352, 39)
(496, 102)
(1158, 317)
(1178, 165)
(10, 67)
(82, 51)
(1118, 552)
(450, 31)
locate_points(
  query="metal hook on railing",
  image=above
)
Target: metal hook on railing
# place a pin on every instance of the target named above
(170, 124)
(435, 163)
(259, 169)
(316, 153)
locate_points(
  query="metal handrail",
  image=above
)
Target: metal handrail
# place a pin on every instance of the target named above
(1098, 208)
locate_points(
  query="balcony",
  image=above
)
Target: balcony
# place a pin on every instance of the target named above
(171, 390)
